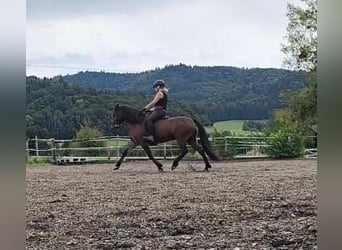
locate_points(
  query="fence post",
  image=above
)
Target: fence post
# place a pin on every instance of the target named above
(27, 149)
(225, 144)
(165, 150)
(108, 149)
(37, 152)
(117, 148)
(53, 145)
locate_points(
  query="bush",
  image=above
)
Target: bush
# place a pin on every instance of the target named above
(83, 140)
(224, 144)
(255, 126)
(39, 161)
(285, 143)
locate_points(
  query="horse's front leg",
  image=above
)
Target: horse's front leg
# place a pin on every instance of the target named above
(147, 149)
(126, 152)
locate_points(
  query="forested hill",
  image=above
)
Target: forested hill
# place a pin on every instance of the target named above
(57, 109)
(224, 92)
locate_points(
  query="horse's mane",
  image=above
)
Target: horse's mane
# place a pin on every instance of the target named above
(132, 115)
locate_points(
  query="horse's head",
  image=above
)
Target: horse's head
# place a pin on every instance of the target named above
(122, 114)
(117, 116)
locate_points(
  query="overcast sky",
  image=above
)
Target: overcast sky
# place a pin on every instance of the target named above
(64, 36)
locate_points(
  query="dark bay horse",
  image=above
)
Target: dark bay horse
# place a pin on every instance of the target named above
(182, 129)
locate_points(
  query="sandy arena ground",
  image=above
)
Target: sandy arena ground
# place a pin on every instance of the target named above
(245, 205)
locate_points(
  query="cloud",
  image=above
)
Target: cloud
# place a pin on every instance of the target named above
(133, 36)
(44, 10)
(66, 59)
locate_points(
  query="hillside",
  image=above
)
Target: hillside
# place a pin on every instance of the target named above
(223, 92)
(57, 109)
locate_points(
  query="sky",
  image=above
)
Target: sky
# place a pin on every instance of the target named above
(65, 37)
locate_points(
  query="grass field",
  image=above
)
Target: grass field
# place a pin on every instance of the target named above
(235, 126)
(231, 125)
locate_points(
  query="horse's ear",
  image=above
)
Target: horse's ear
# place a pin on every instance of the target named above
(116, 107)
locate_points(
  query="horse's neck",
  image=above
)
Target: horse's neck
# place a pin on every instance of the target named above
(131, 111)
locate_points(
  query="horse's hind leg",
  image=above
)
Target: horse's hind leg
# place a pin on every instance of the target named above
(200, 150)
(184, 151)
(147, 149)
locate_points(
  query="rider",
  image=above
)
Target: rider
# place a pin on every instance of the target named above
(157, 106)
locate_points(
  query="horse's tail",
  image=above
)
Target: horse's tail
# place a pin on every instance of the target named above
(205, 142)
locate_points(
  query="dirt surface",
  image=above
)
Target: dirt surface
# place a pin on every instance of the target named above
(237, 205)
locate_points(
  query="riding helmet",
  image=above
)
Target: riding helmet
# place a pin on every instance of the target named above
(160, 83)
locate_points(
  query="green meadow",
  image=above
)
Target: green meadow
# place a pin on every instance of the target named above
(231, 125)
(234, 126)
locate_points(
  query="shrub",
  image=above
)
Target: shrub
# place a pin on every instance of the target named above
(285, 143)
(255, 126)
(224, 144)
(83, 140)
(39, 161)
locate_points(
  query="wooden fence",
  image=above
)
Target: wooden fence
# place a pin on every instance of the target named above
(110, 148)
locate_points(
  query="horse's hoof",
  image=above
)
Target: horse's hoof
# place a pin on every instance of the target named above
(160, 167)
(206, 169)
(116, 168)
(173, 167)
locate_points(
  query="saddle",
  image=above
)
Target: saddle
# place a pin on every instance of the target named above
(147, 113)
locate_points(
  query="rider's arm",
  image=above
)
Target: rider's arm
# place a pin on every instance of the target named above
(158, 96)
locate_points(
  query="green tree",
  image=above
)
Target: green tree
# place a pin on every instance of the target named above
(281, 119)
(300, 51)
(84, 138)
(300, 47)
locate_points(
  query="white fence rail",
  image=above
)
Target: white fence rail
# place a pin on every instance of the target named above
(110, 148)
